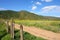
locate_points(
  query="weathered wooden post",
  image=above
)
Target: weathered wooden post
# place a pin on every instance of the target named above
(7, 26)
(12, 30)
(21, 32)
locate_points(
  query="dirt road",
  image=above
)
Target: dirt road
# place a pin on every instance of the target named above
(40, 32)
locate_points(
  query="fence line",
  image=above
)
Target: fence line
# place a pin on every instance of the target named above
(10, 29)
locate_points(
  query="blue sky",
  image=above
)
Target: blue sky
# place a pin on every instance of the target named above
(40, 7)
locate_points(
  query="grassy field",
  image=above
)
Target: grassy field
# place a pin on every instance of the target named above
(6, 36)
(48, 25)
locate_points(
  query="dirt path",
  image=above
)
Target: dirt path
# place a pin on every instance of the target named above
(40, 32)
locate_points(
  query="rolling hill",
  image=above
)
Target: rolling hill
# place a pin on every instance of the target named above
(24, 15)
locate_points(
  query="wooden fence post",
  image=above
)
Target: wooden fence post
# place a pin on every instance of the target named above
(21, 32)
(7, 24)
(12, 30)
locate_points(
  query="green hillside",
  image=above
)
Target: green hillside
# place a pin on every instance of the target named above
(8, 14)
(24, 15)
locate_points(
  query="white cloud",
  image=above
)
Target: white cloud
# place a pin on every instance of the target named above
(53, 10)
(47, 0)
(38, 3)
(48, 9)
(57, 9)
(3, 9)
(34, 7)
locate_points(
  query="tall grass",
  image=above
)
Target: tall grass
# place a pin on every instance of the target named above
(48, 25)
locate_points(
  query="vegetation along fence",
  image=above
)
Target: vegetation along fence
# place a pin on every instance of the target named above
(10, 29)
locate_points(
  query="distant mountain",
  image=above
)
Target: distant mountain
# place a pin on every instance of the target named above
(24, 15)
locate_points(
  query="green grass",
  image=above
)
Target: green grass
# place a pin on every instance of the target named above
(28, 36)
(6, 36)
(53, 26)
(2, 29)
